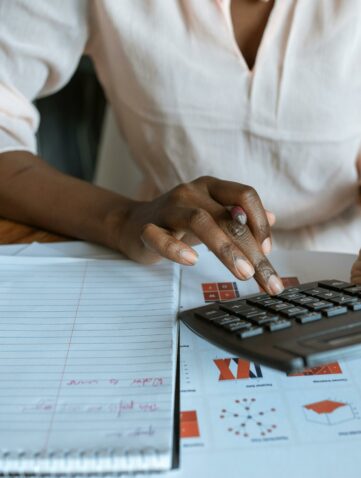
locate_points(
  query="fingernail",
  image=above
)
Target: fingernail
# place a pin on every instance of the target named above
(188, 256)
(275, 285)
(244, 268)
(266, 246)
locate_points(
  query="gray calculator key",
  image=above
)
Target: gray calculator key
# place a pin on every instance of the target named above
(320, 305)
(335, 284)
(308, 317)
(355, 306)
(225, 320)
(334, 311)
(356, 289)
(233, 307)
(315, 292)
(293, 311)
(280, 306)
(236, 326)
(344, 299)
(329, 295)
(212, 314)
(304, 300)
(251, 332)
(278, 325)
(264, 318)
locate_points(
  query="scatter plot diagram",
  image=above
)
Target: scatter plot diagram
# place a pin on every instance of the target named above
(248, 419)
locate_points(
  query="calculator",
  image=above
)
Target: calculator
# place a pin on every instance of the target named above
(303, 327)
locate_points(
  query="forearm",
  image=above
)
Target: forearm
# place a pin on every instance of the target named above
(34, 193)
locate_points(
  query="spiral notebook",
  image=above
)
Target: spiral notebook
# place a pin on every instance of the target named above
(87, 365)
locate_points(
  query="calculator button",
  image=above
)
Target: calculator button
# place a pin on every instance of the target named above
(319, 305)
(290, 290)
(292, 296)
(249, 313)
(315, 292)
(251, 332)
(271, 302)
(355, 306)
(293, 311)
(329, 295)
(233, 307)
(258, 299)
(356, 289)
(236, 326)
(335, 284)
(225, 320)
(344, 299)
(303, 300)
(280, 306)
(212, 314)
(334, 311)
(278, 325)
(308, 317)
(264, 319)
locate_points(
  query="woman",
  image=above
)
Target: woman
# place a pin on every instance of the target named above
(265, 95)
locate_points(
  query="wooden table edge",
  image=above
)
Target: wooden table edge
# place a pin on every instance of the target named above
(15, 233)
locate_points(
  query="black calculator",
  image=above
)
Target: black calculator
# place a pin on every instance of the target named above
(303, 327)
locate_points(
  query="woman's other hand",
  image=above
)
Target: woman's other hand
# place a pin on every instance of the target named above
(197, 212)
(356, 271)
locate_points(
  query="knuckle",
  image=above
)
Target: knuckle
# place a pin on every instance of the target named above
(198, 217)
(168, 247)
(249, 194)
(264, 268)
(237, 231)
(181, 193)
(146, 230)
(264, 230)
(204, 179)
(226, 250)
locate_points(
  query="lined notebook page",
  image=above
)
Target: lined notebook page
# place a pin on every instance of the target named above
(87, 363)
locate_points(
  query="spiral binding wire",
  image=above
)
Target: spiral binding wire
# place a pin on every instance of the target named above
(86, 462)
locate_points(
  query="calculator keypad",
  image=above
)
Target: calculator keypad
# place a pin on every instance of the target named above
(262, 313)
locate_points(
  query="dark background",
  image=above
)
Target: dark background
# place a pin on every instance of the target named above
(71, 123)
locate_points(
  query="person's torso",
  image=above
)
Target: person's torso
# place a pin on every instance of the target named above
(189, 106)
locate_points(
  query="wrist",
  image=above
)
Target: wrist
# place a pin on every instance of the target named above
(116, 223)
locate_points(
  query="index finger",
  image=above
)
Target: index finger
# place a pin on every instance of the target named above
(265, 274)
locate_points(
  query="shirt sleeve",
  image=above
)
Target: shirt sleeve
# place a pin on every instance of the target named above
(41, 42)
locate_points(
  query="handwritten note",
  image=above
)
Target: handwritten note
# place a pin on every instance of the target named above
(87, 355)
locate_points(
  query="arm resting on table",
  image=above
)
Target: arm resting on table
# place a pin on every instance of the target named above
(34, 193)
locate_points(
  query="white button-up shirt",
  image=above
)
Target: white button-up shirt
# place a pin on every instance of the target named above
(188, 105)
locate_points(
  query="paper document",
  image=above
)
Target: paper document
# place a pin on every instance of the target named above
(242, 419)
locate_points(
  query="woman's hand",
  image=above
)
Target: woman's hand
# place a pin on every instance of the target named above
(196, 212)
(356, 271)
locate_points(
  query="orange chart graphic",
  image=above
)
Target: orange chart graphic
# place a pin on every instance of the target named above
(290, 281)
(328, 369)
(219, 291)
(329, 412)
(237, 369)
(325, 406)
(189, 424)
